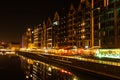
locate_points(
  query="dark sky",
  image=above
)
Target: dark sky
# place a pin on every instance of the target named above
(16, 15)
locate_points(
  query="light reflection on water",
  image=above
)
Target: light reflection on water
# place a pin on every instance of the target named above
(37, 70)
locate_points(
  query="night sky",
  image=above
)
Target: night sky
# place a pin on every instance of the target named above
(15, 16)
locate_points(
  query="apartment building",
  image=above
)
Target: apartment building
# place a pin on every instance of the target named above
(55, 29)
(92, 23)
(38, 36)
(27, 38)
(110, 26)
(49, 33)
(63, 30)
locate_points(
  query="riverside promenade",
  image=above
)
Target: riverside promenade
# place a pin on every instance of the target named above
(88, 65)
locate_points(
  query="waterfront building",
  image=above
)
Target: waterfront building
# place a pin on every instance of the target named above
(71, 26)
(55, 29)
(49, 37)
(38, 36)
(92, 23)
(44, 35)
(63, 30)
(83, 25)
(110, 27)
(27, 38)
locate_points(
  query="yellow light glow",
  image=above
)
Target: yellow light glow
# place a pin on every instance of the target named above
(49, 69)
(28, 29)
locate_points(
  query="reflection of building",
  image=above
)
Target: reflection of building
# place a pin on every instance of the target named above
(93, 23)
(41, 71)
(37, 70)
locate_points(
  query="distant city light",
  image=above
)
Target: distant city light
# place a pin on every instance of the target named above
(2, 43)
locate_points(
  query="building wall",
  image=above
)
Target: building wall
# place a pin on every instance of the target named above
(93, 23)
(49, 37)
(55, 32)
(71, 26)
(83, 25)
(110, 24)
(38, 36)
(63, 30)
(27, 38)
(14, 46)
(44, 35)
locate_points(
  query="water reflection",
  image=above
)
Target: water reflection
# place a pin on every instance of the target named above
(36, 70)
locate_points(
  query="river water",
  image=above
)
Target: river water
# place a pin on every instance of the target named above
(14, 67)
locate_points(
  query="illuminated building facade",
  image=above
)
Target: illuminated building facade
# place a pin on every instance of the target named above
(97, 23)
(38, 36)
(82, 25)
(44, 35)
(55, 32)
(93, 23)
(71, 26)
(27, 38)
(63, 30)
(110, 24)
(49, 35)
